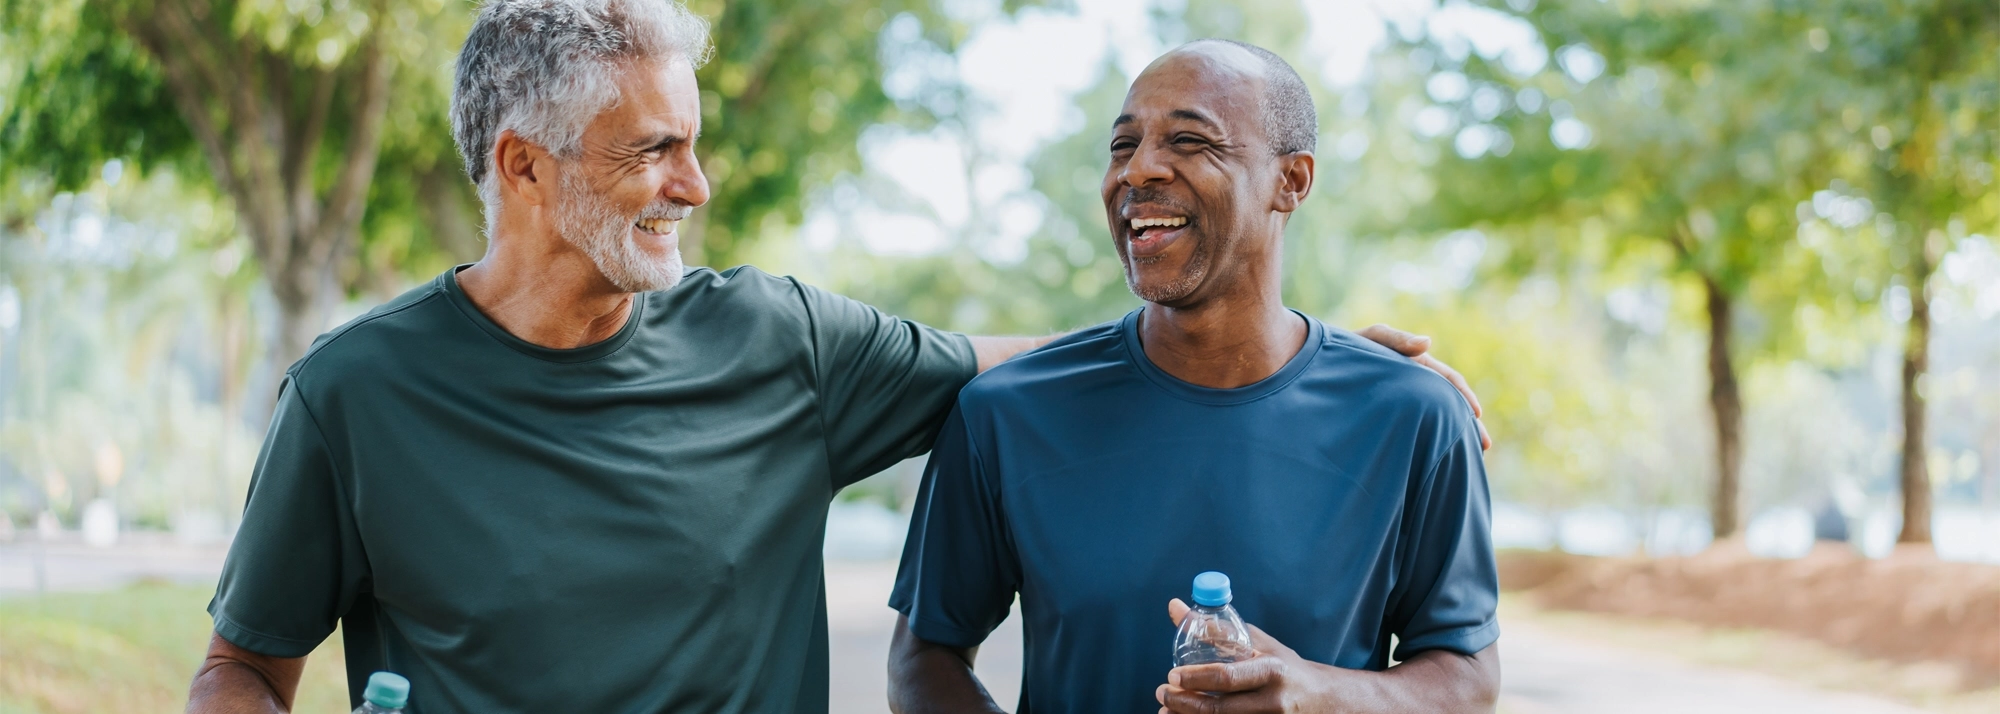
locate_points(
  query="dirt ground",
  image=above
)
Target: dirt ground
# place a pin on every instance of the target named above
(1909, 607)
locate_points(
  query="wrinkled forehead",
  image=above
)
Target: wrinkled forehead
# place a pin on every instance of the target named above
(1220, 81)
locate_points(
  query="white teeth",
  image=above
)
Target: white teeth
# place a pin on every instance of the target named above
(657, 225)
(1144, 223)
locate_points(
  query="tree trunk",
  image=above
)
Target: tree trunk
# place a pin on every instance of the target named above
(1727, 405)
(262, 122)
(1916, 481)
(304, 308)
(453, 217)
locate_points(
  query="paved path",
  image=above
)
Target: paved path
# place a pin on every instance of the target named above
(1545, 672)
(1548, 673)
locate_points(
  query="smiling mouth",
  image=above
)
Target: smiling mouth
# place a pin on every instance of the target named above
(656, 226)
(1151, 235)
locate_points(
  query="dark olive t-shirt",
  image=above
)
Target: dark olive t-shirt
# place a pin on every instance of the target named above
(632, 526)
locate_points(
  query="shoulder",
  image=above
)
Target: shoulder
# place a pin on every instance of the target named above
(746, 292)
(743, 286)
(1389, 383)
(739, 281)
(366, 344)
(741, 301)
(1061, 367)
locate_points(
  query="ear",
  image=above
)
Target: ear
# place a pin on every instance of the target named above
(524, 169)
(1295, 180)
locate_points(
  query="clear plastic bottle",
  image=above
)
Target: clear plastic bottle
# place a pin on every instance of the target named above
(387, 693)
(1211, 632)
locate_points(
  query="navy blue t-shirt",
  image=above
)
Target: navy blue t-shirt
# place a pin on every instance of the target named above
(1344, 496)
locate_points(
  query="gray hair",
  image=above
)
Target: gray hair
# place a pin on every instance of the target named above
(1290, 122)
(543, 69)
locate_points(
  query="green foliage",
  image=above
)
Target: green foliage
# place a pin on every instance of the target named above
(1704, 135)
(82, 89)
(1070, 276)
(785, 100)
(80, 93)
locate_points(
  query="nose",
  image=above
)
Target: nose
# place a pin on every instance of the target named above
(1147, 165)
(685, 183)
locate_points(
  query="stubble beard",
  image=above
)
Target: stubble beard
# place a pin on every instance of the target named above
(589, 222)
(1170, 291)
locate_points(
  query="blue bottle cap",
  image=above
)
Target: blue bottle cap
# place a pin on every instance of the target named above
(1211, 589)
(387, 690)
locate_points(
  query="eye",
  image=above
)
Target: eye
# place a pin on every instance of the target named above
(1189, 140)
(1122, 144)
(659, 150)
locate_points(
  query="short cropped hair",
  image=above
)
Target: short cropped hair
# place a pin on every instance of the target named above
(544, 69)
(1290, 122)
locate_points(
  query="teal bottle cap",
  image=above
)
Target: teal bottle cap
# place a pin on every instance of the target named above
(387, 690)
(1211, 589)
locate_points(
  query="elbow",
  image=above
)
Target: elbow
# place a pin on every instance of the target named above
(1482, 681)
(899, 677)
(906, 653)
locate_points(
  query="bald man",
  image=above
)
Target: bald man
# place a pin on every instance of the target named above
(1340, 486)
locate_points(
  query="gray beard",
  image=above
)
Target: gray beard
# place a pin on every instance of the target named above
(1171, 291)
(594, 226)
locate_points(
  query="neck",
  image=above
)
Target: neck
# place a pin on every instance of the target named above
(1226, 342)
(545, 292)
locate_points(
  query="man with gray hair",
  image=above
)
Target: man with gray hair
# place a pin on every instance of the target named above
(575, 476)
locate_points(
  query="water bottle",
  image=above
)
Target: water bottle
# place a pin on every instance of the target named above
(387, 692)
(1211, 632)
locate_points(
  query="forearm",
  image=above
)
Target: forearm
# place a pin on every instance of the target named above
(994, 350)
(1431, 682)
(926, 677)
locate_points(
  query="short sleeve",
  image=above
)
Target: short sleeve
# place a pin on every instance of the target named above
(1451, 589)
(885, 383)
(296, 564)
(959, 572)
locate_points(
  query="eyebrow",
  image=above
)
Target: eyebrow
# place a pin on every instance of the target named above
(654, 141)
(1192, 115)
(1188, 114)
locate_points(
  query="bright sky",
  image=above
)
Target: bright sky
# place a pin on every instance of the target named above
(1028, 68)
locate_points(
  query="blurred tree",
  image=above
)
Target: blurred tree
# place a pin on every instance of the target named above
(1069, 277)
(1680, 133)
(787, 96)
(285, 106)
(1920, 84)
(134, 335)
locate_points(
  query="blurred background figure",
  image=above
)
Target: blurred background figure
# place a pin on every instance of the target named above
(1726, 277)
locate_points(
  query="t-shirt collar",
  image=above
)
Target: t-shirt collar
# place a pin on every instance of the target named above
(1129, 329)
(600, 349)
